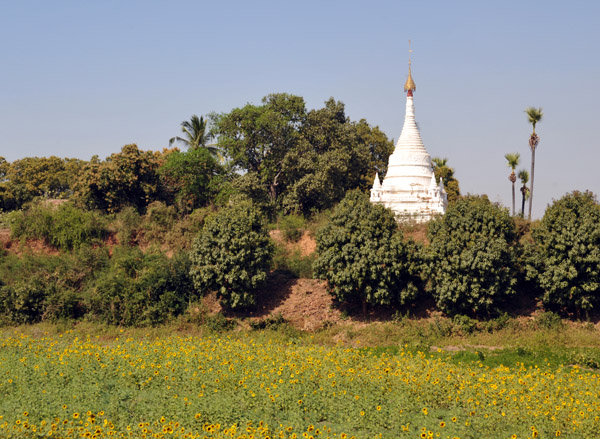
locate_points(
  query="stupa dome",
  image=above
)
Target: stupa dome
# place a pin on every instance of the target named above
(409, 187)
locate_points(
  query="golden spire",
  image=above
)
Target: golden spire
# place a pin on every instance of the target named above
(409, 84)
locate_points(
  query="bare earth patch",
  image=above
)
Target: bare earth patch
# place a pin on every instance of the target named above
(36, 246)
(304, 303)
(306, 244)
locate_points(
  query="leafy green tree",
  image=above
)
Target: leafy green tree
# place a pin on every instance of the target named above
(192, 178)
(334, 156)
(363, 257)
(524, 177)
(442, 170)
(566, 260)
(534, 116)
(232, 255)
(255, 139)
(472, 256)
(513, 162)
(304, 161)
(128, 178)
(23, 180)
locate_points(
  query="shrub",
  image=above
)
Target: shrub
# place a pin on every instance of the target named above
(65, 227)
(292, 227)
(128, 223)
(294, 263)
(40, 287)
(472, 257)
(549, 320)
(362, 255)
(140, 289)
(219, 323)
(565, 259)
(232, 255)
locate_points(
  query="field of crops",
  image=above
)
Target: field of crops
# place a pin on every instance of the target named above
(72, 385)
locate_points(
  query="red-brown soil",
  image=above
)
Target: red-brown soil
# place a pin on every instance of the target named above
(32, 245)
(306, 244)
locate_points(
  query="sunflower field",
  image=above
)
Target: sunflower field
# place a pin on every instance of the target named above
(240, 386)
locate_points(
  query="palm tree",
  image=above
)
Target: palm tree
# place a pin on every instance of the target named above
(196, 136)
(446, 173)
(524, 177)
(534, 116)
(513, 162)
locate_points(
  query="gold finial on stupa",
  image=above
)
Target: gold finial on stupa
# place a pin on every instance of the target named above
(409, 84)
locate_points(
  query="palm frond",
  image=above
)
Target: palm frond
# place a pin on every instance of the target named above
(439, 162)
(523, 176)
(534, 115)
(513, 159)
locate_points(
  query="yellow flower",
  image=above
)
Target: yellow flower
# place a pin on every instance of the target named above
(75, 415)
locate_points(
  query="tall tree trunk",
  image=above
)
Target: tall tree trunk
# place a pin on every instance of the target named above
(531, 186)
(533, 143)
(523, 192)
(513, 198)
(513, 178)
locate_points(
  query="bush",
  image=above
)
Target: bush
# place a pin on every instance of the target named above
(219, 323)
(140, 289)
(47, 288)
(232, 255)
(472, 257)
(294, 263)
(292, 227)
(565, 260)
(363, 257)
(549, 320)
(128, 223)
(65, 227)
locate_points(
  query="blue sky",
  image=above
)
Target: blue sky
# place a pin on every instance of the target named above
(80, 78)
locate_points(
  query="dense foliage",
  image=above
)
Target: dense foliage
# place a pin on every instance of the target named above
(47, 287)
(296, 160)
(363, 256)
(140, 288)
(191, 179)
(473, 257)
(48, 177)
(129, 288)
(232, 254)
(566, 258)
(126, 178)
(65, 226)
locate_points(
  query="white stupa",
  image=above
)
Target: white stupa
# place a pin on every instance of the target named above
(409, 187)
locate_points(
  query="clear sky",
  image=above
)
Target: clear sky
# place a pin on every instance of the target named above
(80, 78)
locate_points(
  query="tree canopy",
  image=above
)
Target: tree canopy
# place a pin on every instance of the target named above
(566, 258)
(232, 255)
(302, 161)
(472, 256)
(363, 256)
